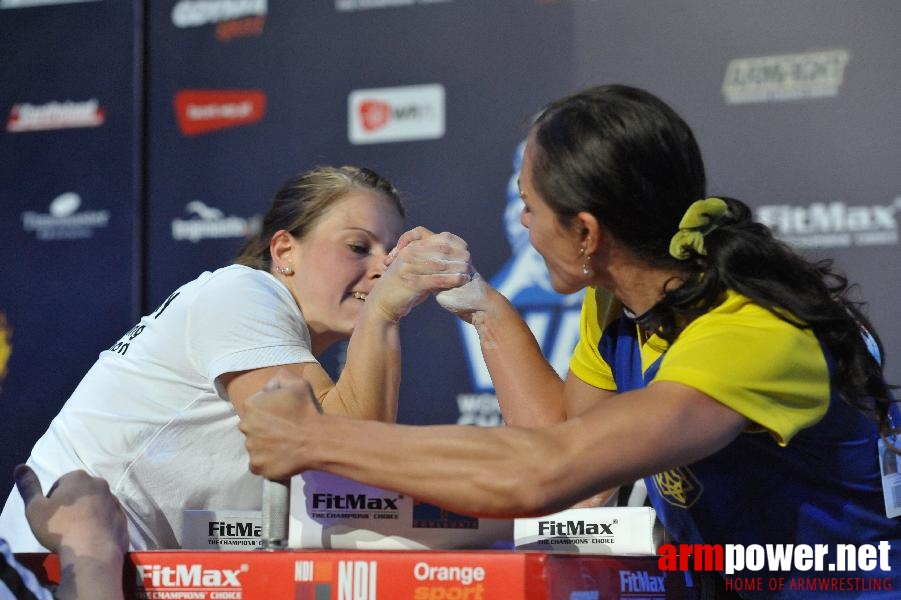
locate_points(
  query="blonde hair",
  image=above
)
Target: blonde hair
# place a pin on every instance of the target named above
(303, 199)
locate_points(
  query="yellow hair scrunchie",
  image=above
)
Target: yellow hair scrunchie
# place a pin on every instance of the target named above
(696, 218)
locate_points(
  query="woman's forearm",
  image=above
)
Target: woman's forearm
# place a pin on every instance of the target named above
(369, 383)
(529, 391)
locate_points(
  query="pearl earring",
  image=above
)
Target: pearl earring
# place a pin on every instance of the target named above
(285, 270)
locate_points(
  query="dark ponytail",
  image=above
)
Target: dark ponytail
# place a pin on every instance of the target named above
(743, 255)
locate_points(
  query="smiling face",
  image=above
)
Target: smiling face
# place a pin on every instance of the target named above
(557, 244)
(337, 263)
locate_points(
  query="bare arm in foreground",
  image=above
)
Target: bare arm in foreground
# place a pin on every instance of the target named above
(498, 472)
(82, 522)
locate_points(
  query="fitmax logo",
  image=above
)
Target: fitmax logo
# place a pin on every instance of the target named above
(640, 581)
(828, 218)
(571, 528)
(833, 224)
(184, 575)
(223, 529)
(353, 502)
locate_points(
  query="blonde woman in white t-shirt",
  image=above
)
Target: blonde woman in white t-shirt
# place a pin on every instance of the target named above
(157, 415)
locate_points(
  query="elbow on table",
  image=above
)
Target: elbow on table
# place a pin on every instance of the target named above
(520, 494)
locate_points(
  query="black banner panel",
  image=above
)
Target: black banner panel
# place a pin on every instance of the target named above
(69, 181)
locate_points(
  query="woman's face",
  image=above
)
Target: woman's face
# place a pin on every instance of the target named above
(558, 245)
(339, 261)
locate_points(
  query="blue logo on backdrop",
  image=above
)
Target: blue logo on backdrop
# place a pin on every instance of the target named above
(524, 280)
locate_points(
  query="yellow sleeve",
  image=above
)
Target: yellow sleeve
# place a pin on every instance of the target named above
(598, 309)
(770, 371)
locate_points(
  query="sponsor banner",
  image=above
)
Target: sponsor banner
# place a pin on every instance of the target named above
(355, 5)
(232, 18)
(205, 111)
(833, 224)
(784, 77)
(211, 223)
(326, 575)
(64, 221)
(605, 530)
(55, 115)
(396, 114)
(28, 3)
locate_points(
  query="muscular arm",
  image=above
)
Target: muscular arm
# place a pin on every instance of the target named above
(242, 385)
(581, 396)
(498, 472)
(370, 380)
(529, 391)
(369, 383)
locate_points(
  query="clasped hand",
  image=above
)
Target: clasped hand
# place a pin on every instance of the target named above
(465, 292)
(273, 422)
(422, 263)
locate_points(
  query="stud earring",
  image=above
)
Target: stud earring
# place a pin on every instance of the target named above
(285, 270)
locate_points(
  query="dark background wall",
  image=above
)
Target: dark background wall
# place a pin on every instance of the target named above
(143, 139)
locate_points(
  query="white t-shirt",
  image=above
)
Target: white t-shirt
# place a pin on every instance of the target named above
(150, 417)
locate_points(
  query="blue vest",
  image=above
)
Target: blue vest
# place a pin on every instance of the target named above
(824, 487)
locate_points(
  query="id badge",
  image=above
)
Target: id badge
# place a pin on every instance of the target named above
(889, 463)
